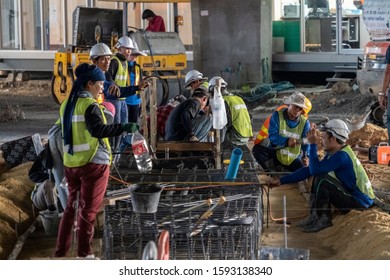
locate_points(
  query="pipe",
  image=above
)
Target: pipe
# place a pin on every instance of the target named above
(234, 164)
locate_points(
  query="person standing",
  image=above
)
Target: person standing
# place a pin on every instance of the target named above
(134, 101)
(87, 158)
(339, 178)
(287, 129)
(383, 96)
(155, 22)
(119, 73)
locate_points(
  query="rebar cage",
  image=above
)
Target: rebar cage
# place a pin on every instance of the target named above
(232, 231)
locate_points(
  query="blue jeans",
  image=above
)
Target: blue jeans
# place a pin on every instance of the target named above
(55, 144)
(201, 127)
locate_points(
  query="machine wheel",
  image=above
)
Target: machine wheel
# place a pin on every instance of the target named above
(61, 87)
(376, 116)
(162, 91)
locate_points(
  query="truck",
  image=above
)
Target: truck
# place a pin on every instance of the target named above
(376, 16)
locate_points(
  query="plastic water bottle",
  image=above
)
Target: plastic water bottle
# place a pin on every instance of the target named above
(141, 153)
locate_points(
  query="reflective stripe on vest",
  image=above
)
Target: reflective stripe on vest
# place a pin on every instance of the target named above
(263, 132)
(122, 77)
(362, 181)
(84, 145)
(288, 154)
(240, 117)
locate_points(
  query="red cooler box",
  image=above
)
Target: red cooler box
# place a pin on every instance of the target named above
(21, 150)
(383, 153)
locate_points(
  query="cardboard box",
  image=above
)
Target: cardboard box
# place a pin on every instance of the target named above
(21, 150)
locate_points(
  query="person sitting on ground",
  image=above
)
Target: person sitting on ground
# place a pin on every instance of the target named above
(262, 135)
(339, 178)
(287, 130)
(155, 22)
(238, 129)
(187, 121)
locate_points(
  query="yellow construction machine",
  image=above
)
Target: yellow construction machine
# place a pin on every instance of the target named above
(166, 53)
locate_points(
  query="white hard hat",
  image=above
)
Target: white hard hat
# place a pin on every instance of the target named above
(338, 128)
(213, 82)
(100, 49)
(192, 76)
(125, 41)
(136, 50)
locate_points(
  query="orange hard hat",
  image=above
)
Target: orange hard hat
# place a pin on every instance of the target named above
(308, 105)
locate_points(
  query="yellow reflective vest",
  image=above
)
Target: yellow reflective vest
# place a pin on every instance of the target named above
(84, 145)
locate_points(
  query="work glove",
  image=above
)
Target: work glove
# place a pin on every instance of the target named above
(130, 127)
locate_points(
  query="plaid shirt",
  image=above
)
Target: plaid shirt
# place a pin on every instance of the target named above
(162, 117)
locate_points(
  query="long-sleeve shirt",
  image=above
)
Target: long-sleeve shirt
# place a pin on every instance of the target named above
(156, 24)
(278, 140)
(340, 163)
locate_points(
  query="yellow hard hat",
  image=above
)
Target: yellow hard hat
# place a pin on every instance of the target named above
(308, 105)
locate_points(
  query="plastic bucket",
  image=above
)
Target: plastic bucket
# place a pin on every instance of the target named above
(145, 198)
(50, 223)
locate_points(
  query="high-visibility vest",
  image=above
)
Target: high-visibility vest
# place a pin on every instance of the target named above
(362, 180)
(263, 132)
(122, 77)
(240, 116)
(287, 154)
(84, 145)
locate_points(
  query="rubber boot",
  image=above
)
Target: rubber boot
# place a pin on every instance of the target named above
(323, 222)
(313, 217)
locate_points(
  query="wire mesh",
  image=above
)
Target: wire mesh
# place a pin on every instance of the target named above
(231, 232)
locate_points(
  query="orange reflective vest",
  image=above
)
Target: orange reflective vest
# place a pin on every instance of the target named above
(263, 132)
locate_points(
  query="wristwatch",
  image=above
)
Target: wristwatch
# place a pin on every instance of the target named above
(382, 94)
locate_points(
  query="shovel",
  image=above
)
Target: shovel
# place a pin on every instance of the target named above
(283, 253)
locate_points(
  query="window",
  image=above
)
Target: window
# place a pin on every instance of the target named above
(9, 25)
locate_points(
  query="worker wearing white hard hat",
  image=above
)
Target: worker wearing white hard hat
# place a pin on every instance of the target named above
(238, 129)
(118, 72)
(339, 178)
(194, 79)
(133, 102)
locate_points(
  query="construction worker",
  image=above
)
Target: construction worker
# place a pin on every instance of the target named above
(195, 79)
(187, 121)
(119, 73)
(87, 158)
(134, 101)
(155, 22)
(286, 133)
(238, 129)
(263, 132)
(339, 178)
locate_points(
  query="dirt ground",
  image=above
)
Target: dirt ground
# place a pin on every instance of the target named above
(356, 235)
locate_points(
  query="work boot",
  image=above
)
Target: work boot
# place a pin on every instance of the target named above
(323, 222)
(313, 216)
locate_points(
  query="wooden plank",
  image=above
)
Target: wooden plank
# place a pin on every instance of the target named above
(184, 146)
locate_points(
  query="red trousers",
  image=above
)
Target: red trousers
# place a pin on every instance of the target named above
(89, 183)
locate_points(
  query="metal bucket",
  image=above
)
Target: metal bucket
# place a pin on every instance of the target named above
(50, 223)
(145, 198)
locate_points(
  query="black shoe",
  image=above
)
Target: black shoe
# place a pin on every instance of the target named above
(323, 222)
(308, 221)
